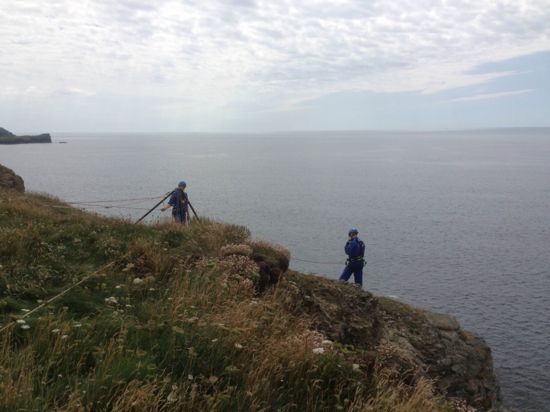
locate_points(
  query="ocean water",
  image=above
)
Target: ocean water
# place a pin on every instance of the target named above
(457, 222)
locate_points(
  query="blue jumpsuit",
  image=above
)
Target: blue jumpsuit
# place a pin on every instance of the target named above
(179, 202)
(355, 249)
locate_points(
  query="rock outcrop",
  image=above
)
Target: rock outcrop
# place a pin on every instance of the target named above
(10, 180)
(7, 137)
(416, 341)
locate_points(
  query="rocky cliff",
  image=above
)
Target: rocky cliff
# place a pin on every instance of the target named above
(6, 137)
(9, 180)
(414, 340)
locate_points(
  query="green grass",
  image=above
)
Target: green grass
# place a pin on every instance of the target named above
(171, 324)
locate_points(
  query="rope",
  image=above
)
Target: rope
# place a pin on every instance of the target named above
(318, 263)
(81, 281)
(113, 201)
(97, 206)
(113, 206)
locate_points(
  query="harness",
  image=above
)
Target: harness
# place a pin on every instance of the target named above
(360, 258)
(181, 203)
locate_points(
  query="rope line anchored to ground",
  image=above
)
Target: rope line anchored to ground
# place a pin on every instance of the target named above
(115, 200)
(317, 262)
(52, 299)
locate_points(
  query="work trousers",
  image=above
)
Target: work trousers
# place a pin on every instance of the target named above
(355, 268)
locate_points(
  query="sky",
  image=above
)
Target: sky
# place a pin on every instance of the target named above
(261, 66)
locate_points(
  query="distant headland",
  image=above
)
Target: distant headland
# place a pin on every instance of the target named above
(7, 137)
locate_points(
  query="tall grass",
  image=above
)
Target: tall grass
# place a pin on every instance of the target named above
(176, 323)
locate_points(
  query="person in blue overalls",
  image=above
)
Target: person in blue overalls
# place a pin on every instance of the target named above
(355, 249)
(179, 202)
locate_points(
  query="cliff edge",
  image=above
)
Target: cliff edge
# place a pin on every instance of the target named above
(203, 317)
(10, 180)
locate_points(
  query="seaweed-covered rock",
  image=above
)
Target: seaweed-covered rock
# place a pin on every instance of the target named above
(10, 180)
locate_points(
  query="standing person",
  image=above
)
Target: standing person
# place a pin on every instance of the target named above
(355, 249)
(179, 202)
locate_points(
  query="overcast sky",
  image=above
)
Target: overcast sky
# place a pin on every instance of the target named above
(245, 65)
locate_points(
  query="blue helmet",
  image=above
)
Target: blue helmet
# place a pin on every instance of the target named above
(353, 230)
(182, 184)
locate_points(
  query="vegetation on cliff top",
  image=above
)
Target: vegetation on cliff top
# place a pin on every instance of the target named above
(177, 318)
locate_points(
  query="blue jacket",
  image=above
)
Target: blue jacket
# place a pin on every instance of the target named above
(355, 249)
(180, 205)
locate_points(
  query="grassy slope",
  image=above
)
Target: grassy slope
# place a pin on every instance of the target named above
(191, 333)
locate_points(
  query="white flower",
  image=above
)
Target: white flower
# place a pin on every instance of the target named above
(111, 300)
(327, 342)
(25, 327)
(173, 396)
(77, 325)
(190, 377)
(25, 310)
(318, 351)
(65, 337)
(238, 346)
(137, 281)
(355, 367)
(21, 321)
(55, 330)
(214, 340)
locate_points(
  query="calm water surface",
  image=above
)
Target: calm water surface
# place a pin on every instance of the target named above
(458, 222)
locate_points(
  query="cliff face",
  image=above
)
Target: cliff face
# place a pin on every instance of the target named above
(9, 180)
(413, 340)
(6, 137)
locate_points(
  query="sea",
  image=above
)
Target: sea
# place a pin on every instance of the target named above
(456, 221)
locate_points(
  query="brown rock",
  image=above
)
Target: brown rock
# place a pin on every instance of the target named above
(9, 180)
(412, 339)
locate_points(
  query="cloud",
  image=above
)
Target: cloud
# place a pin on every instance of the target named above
(219, 55)
(490, 96)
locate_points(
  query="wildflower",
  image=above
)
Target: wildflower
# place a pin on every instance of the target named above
(25, 310)
(25, 327)
(137, 281)
(21, 321)
(55, 330)
(214, 340)
(111, 300)
(238, 346)
(77, 325)
(355, 367)
(118, 286)
(190, 377)
(65, 337)
(327, 342)
(173, 395)
(318, 351)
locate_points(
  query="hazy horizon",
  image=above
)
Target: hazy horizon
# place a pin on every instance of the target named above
(270, 132)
